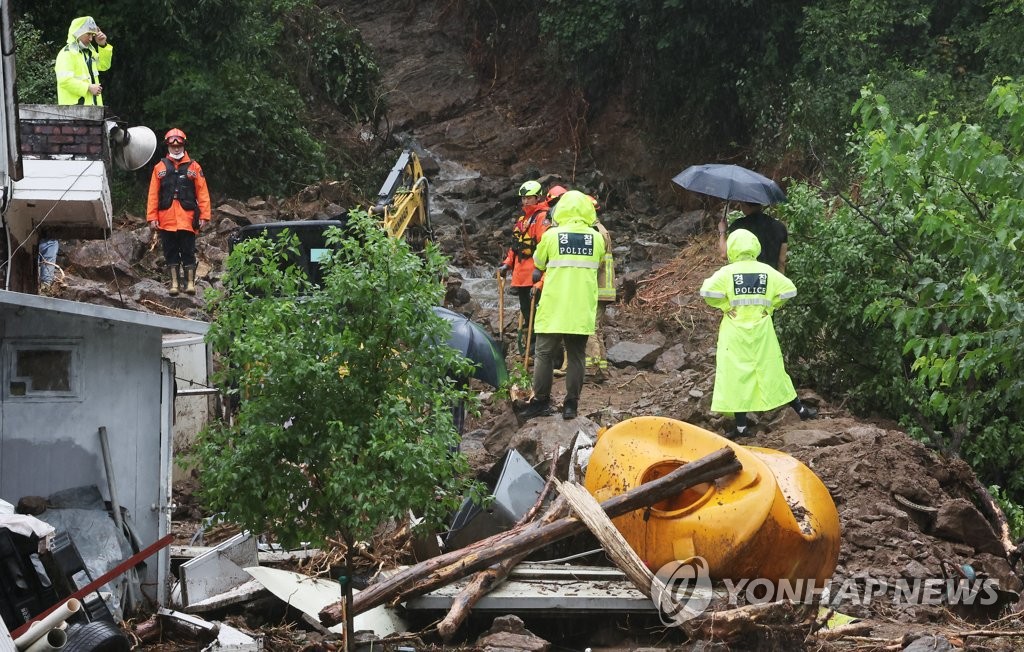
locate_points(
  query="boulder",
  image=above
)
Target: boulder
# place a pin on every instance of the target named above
(673, 359)
(509, 634)
(635, 354)
(680, 230)
(959, 520)
(929, 643)
(541, 437)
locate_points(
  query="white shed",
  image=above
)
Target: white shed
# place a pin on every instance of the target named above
(66, 370)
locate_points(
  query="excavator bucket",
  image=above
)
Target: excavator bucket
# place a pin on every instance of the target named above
(773, 519)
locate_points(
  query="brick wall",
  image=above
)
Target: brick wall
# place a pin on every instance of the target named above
(47, 138)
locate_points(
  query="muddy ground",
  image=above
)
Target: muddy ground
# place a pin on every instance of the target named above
(906, 511)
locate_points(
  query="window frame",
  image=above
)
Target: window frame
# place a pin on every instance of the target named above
(13, 347)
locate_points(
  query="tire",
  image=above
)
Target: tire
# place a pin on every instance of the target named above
(97, 636)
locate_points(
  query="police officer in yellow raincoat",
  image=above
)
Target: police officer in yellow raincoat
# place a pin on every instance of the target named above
(749, 372)
(569, 255)
(79, 63)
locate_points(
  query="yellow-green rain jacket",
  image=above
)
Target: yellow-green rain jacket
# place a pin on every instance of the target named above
(749, 372)
(79, 65)
(569, 255)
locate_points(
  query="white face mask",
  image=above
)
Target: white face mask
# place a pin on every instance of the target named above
(177, 156)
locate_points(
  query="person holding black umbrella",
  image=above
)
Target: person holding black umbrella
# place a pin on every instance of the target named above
(752, 191)
(770, 232)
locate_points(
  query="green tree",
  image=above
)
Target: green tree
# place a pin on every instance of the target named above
(929, 254)
(345, 415)
(921, 54)
(34, 64)
(715, 70)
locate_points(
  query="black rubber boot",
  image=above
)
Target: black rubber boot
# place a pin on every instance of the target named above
(736, 432)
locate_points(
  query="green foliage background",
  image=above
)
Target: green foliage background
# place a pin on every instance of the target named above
(760, 80)
(756, 80)
(914, 287)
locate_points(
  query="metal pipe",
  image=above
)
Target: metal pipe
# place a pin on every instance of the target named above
(202, 391)
(42, 628)
(114, 505)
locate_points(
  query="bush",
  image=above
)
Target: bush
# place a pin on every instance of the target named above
(917, 283)
(345, 413)
(245, 127)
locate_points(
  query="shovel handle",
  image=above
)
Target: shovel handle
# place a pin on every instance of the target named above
(501, 306)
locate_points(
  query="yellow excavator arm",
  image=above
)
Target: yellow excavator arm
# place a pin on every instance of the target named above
(404, 202)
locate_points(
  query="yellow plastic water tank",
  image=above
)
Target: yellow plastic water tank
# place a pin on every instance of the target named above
(773, 519)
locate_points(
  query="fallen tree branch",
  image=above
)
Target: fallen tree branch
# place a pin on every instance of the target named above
(785, 620)
(988, 633)
(996, 518)
(586, 508)
(484, 581)
(426, 576)
(487, 579)
(841, 632)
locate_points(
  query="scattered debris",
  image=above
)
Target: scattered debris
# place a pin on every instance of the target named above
(217, 570)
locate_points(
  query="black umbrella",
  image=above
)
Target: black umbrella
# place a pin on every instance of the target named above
(473, 342)
(730, 182)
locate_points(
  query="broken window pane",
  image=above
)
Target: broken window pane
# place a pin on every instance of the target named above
(46, 370)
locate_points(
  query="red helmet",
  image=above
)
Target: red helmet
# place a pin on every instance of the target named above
(175, 134)
(593, 200)
(555, 192)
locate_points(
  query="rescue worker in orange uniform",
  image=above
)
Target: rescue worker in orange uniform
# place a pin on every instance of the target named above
(178, 207)
(528, 229)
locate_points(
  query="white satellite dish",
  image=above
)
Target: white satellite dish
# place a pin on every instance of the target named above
(133, 147)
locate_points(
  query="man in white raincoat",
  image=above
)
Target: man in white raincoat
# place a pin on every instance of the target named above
(749, 372)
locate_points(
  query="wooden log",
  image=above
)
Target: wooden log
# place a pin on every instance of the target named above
(428, 575)
(484, 581)
(996, 518)
(587, 509)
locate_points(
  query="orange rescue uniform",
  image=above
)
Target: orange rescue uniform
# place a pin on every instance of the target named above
(526, 233)
(175, 217)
